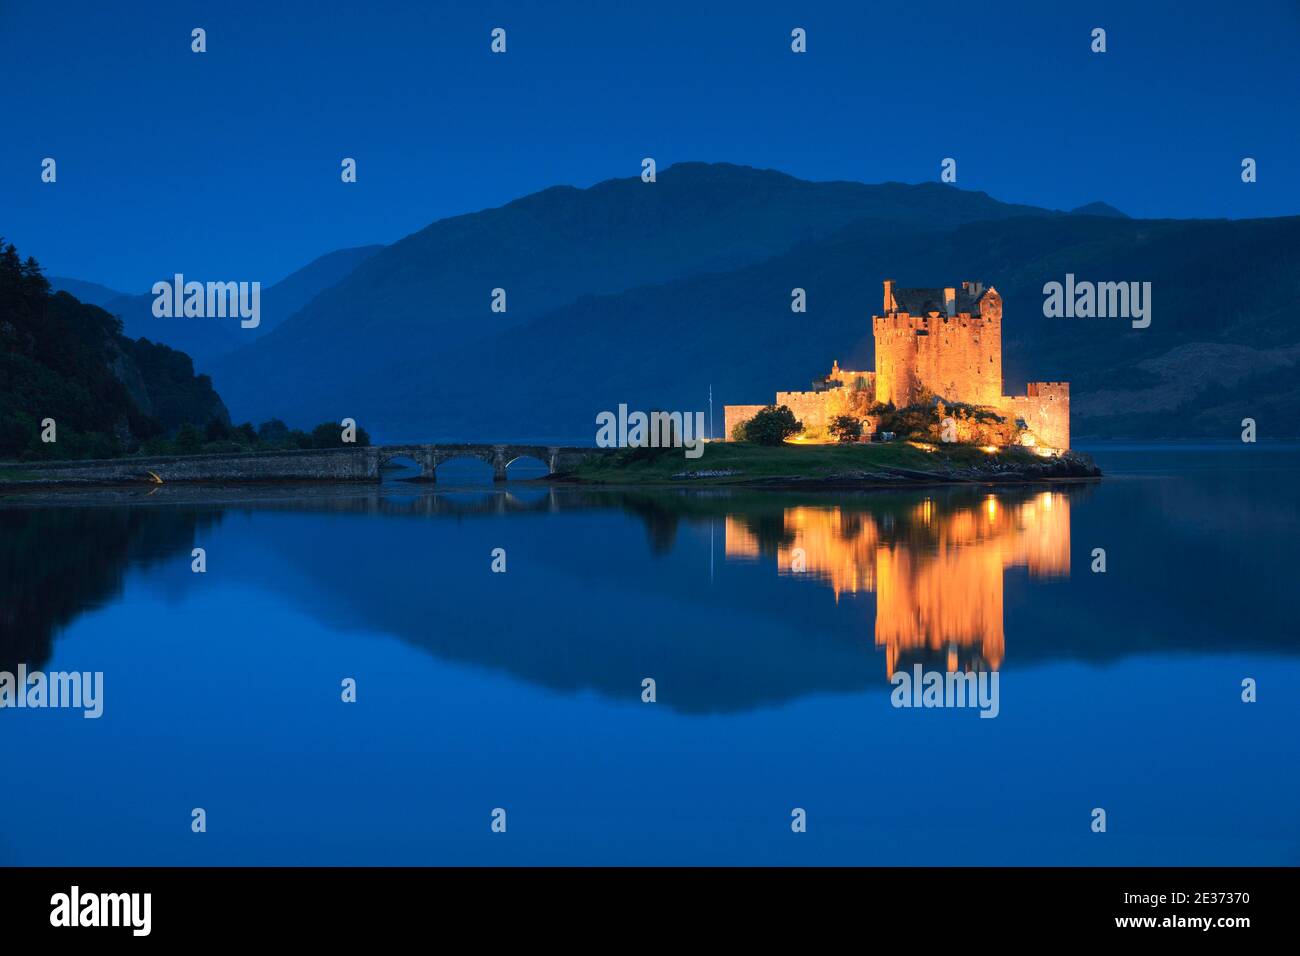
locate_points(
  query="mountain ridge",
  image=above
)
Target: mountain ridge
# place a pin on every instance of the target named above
(706, 258)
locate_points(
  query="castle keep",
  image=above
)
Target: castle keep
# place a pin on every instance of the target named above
(941, 343)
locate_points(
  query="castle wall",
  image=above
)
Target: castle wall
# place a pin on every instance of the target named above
(959, 359)
(733, 415)
(1045, 409)
(814, 409)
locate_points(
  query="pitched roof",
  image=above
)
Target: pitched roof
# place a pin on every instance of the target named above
(925, 301)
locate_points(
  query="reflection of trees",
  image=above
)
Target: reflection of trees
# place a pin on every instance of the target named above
(59, 562)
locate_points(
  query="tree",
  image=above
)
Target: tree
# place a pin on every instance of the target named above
(330, 435)
(189, 439)
(216, 430)
(845, 428)
(67, 360)
(273, 432)
(771, 426)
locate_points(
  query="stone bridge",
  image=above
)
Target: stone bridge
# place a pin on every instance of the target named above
(308, 465)
(500, 457)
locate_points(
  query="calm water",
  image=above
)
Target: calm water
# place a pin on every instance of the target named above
(522, 690)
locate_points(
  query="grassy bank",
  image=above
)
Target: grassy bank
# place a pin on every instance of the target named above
(885, 461)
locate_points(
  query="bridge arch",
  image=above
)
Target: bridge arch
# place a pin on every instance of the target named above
(385, 454)
(533, 464)
(497, 457)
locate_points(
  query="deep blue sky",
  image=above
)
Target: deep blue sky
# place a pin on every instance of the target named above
(226, 165)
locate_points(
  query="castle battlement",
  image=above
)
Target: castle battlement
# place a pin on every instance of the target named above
(934, 322)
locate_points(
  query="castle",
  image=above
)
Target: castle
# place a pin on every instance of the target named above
(945, 343)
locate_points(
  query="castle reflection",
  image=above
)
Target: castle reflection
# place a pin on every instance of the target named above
(936, 568)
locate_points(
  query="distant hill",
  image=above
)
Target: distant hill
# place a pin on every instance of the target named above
(1205, 362)
(424, 302)
(1098, 209)
(65, 360)
(648, 293)
(207, 339)
(91, 293)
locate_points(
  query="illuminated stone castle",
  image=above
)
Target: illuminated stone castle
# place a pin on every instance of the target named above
(945, 343)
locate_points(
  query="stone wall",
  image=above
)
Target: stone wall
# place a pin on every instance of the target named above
(334, 464)
(1047, 412)
(343, 464)
(813, 409)
(959, 359)
(816, 410)
(733, 415)
(1045, 409)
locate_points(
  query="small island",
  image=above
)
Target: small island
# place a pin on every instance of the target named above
(932, 411)
(841, 465)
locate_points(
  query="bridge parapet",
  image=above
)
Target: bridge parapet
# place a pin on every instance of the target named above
(500, 457)
(310, 465)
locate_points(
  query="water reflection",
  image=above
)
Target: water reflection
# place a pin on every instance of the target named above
(936, 569)
(694, 586)
(772, 688)
(58, 563)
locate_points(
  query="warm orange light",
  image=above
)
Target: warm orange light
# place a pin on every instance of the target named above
(945, 597)
(803, 438)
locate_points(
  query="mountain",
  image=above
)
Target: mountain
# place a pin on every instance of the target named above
(1207, 360)
(65, 360)
(425, 301)
(648, 293)
(91, 293)
(207, 339)
(1099, 209)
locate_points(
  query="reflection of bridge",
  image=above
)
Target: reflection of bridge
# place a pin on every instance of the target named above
(500, 457)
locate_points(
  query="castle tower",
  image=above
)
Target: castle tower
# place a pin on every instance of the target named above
(946, 341)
